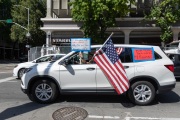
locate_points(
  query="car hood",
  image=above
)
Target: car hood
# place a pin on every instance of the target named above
(26, 63)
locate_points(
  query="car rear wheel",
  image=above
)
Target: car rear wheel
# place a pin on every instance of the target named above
(43, 91)
(20, 73)
(141, 93)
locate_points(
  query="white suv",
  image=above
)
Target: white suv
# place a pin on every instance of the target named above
(44, 82)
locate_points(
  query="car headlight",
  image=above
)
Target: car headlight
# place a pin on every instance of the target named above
(26, 70)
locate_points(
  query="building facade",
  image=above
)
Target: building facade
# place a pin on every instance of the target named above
(59, 26)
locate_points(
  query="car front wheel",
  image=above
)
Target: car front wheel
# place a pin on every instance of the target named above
(141, 93)
(44, 91)
(20, 73)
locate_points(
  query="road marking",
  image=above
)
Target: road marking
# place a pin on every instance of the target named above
(104, 117)
(129, 118)
(11, 81)
(6, 79)
(149, 118)
(6, 72)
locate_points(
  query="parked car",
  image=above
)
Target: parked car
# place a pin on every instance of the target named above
(176, 60)
(18, 70)
(44, 82)
(173, 47)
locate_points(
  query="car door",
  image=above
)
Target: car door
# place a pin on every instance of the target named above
(176, 65)
(103, 83)
(76, 76)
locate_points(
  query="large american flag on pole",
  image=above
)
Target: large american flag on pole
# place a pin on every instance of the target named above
(108, 61)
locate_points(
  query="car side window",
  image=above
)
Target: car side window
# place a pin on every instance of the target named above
(58, 57)
(82, 58)
(74, 58)
(171, 56)
(157, 56)
(44, 59)
(125, 54)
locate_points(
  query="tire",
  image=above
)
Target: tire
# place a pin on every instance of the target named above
(141, 96)
(43, 91)
(20, 73)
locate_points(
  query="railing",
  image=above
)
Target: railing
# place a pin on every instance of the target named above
(39, 51)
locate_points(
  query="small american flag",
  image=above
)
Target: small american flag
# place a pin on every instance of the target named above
(119, 50)
(108, 61)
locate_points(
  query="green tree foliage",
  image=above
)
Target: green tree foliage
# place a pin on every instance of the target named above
(37, 10)
(98, 15)
(165, 14)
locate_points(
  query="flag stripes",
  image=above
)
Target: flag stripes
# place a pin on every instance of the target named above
(114, 72)
(119, 50)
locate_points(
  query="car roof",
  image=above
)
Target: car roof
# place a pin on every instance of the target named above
(125, 45)
(178, 41)
(53, 54)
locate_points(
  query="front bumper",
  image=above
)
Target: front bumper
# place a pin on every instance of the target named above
(24, 90)
(166, 88)
(15, 73)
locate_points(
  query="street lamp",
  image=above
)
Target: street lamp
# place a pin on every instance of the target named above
(28, 34)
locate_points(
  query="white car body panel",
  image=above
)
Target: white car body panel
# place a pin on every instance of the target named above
(103, 82)
(78, 77)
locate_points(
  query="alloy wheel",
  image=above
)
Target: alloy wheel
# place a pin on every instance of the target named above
(43, 92)
(142, 93)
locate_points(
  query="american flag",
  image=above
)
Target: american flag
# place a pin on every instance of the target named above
(108, 61)
(119, 50)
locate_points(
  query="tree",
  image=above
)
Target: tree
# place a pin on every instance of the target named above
(165, 14)
(98, 15)
(37, 10)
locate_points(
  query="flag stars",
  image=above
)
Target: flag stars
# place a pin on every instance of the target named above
(111, 51)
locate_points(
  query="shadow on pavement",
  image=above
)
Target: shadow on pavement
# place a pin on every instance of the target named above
(19, 110)
(169, 97)
(97, 99)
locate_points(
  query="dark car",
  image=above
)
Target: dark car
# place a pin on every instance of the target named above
(176, 60)
(23, 58)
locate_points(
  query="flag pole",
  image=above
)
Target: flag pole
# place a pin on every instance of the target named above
(103, 44)
(106, 40)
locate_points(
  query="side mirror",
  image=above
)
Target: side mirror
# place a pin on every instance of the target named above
(64, 62)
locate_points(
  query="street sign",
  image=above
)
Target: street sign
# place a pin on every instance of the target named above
(9, 21)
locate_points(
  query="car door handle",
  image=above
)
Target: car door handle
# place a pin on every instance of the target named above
(90, 69)
(125, 67)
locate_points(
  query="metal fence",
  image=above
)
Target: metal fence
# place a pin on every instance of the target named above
(39, 51)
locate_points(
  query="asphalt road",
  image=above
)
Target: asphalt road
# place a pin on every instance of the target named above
(15, 105)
